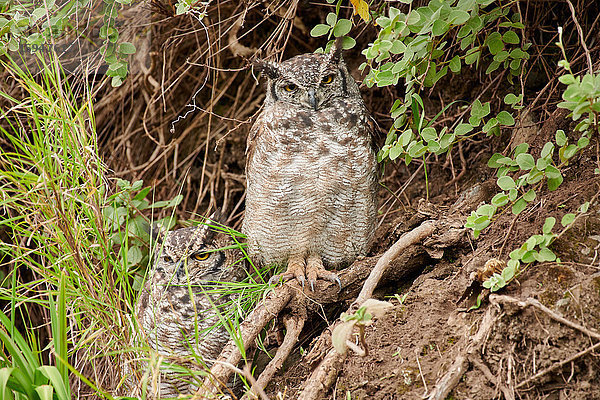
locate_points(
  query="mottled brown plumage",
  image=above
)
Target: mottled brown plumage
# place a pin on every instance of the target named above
(311, 169)
(178, 305)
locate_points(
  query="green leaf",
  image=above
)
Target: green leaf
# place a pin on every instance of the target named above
(486, 209)
(494, 65)
(472, 58)
(395, 152)
(500, 199)
(492, 122)
(440, 27)
(583, 142)
(541, 164)
(519, 206)
(510, 37)
(584, 207)
(522, 148)
(546, 254)
(458, 17)
(331, 19)
(561, 138)
(510, 99)
(493, 161)
(570, 151)
(455, 64)
(529, 196)
(554, 183)
(126, 48)
(134, 255)
(505, 118)
(567, 219)
(428, 134)
(342, 28)
(548, 225)
(525, 161)
(506, 183)
(494, 43)
(319, 30)
(548, 150)
(45, 392)
(463, 129)
(552, 172)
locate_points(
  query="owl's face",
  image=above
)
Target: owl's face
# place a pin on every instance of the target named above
(193, 256)
(309, 80)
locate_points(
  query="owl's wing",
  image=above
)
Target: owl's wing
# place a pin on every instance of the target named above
(255, 132)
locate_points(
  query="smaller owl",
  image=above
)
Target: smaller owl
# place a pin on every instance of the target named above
(180, 304)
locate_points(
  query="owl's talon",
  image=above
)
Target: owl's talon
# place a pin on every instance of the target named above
(302, 280)
(337, 280)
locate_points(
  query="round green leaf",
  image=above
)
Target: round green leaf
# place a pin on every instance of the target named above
(126, 48)
(319, 30)
(343, 27)
(455, 64)
(506, 183)
(567, 219)
(331, 19)
(561, 138)
(500, 199)
(519, 206)
(505, 118)
(510, 37)
(525, 161)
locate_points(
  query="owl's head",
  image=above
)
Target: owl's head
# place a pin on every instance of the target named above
(195, 255)
(308, 80)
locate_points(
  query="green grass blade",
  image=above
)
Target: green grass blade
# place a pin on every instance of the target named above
(56, 379)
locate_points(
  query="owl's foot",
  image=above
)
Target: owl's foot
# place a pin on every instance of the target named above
(301, 269)
(315, 270)
(295, 269)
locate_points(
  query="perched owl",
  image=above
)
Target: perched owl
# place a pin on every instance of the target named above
(311, 169)
(179, 302)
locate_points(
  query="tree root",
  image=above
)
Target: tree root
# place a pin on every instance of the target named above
(324, 376)
(460, 365)
(472, 352)
(293, 326)
(290, 296)
(249, 331)
(498, 299)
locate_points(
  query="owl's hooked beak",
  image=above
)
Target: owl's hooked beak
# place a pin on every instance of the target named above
(312, 98)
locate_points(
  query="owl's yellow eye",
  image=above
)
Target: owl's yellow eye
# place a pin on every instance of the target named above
(290, 87)
(200, 256)
(167, 259)
(327, 80)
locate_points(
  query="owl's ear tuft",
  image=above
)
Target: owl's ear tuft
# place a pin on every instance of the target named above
(270, 68)
(215, 217)
(158, 232)
(335, 54)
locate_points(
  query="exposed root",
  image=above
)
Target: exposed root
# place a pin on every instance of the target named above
(323, 377)
(293, 325)
(460, 365)
(249, 331)
(498, 299)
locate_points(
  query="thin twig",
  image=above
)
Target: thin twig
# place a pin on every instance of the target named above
(581, 38)
(500, 299)
(557, 365)
(293, 326)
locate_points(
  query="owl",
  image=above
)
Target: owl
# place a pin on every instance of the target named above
(179, 303)
(311, 169)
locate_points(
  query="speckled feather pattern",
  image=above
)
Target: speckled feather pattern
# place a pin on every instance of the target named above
(175, 324)
(311, 174)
